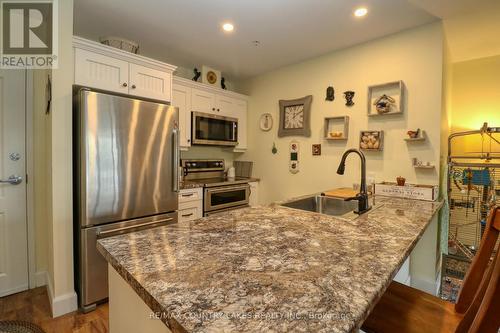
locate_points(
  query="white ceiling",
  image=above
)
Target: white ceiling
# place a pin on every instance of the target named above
(187, 32)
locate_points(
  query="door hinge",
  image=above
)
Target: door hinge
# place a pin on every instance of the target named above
(26, 178)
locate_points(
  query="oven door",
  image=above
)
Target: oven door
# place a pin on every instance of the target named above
(223, 197)
(215, 130)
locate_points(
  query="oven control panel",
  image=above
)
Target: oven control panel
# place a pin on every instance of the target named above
(203, 165)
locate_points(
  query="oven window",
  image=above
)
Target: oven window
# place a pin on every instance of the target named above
(221, 198)
(215, 129)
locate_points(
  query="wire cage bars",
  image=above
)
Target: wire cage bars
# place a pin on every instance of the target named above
(473, 188)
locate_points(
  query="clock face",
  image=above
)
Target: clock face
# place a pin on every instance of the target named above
(211, 77)
(294, 116)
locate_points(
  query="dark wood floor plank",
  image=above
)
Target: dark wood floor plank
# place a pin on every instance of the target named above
(33, 305)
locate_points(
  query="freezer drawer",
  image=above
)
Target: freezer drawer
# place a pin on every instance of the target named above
(93, 272)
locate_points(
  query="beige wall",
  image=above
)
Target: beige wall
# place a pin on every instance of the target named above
(475, 100)
(414, 56)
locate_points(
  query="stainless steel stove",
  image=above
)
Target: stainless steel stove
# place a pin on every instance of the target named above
(220, 193)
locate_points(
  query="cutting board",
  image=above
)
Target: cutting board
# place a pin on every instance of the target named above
(343, 192)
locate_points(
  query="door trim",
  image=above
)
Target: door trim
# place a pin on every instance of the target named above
(30, 164)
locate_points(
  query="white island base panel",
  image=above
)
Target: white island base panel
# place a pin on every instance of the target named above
(127, 311)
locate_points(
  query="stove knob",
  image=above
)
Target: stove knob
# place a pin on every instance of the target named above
(188, 164)
(193, 164)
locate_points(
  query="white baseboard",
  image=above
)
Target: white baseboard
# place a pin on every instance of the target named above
(62, 304)
(41, 279)
(424, 285)
(14, 290)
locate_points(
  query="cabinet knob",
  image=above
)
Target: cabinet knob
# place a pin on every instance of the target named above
(124, 84)
(189, 140)
(133, 86)
(213, 109)
(218, 110)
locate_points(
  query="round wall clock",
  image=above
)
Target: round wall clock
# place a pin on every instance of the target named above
(211, 77)
(266, 122)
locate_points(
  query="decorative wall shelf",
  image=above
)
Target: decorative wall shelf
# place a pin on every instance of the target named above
(336, 125)
(421, 137)
(394, 90)
(420, 165)
(371, 140)
(424, 166)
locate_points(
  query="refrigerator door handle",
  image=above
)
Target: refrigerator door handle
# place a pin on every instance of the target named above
(176, 160)
(102, 234)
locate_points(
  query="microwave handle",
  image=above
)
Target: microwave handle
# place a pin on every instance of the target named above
(235, 128)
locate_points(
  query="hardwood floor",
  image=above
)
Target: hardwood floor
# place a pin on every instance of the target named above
(33, 305)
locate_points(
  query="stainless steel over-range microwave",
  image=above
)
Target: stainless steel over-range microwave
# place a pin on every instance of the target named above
(214, 130)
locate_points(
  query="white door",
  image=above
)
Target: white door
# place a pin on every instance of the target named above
(150, 83)
(181, 98)
(100, 71)
(13, 229)
(202, 101)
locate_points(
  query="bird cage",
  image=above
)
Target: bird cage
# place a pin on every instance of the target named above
(473, 188)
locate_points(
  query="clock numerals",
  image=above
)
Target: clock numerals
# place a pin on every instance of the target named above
(294, 116)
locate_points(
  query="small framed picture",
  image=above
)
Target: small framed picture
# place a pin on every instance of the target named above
(316, 149)
(371, 140)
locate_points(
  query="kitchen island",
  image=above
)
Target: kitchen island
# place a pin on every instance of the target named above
(267, 268)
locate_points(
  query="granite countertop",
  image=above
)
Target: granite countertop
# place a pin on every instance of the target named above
(269, 268)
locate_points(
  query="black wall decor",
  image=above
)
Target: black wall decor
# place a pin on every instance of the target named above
(349, 95)
(330, 94)
(223, 83)
(197, 74)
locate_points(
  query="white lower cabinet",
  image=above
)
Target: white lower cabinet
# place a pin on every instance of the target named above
(254, 194)
(190, 204)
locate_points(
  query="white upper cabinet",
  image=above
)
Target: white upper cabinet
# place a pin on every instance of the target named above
(100, 71)
(203, 101)
(149, 82)
(181, 98)
(191, 96)
(103, 67)
(240, 112)
(225, 105)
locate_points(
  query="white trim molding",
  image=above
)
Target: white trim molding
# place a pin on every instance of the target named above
(41, 279)
(62, 304)
(197, 85)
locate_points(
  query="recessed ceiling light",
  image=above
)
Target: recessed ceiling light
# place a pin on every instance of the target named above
(360, 12)
(228, 27)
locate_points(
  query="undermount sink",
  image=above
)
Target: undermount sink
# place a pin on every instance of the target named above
(326, 205)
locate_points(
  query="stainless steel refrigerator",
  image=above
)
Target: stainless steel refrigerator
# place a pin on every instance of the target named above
(126, 158)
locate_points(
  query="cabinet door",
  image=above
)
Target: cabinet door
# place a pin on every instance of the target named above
(240, 112)
(181, 97)
(100, 71)
(225, 106)
(254, 194)
(202, 101)
(150, 83)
